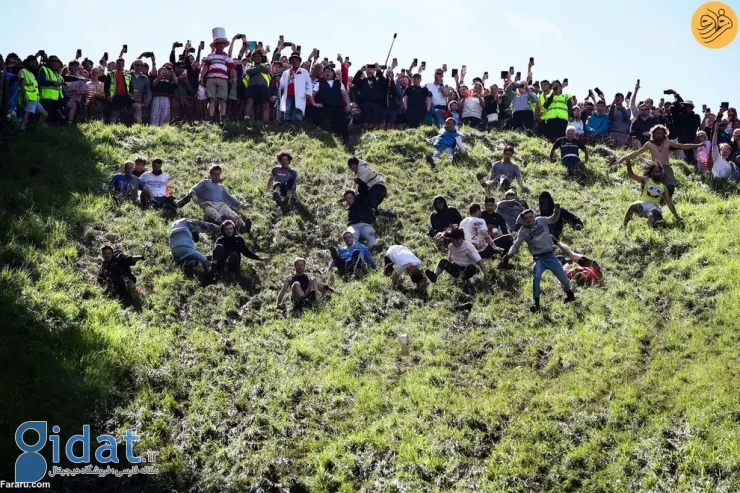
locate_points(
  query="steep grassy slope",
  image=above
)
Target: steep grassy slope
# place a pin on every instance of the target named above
(632, 388)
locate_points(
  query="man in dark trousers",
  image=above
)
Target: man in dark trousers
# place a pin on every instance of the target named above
(229, 249)
(442, 220)
(371, 92)
(416, 102)
(115, 274)
(360, 218)
(332, 100)
(685, 122)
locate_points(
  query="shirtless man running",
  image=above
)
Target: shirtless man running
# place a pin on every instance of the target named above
(660, 149)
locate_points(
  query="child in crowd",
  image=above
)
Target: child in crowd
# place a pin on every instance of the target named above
(447, 139)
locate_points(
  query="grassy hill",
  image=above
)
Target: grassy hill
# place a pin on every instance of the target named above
(635, 387)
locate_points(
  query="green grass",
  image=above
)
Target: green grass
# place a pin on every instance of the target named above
(633, 388)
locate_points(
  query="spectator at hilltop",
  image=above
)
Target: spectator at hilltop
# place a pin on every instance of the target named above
(620, 118)
(416, 102)
(438, 92)
(119, 91)
(218, 67)
(371, 93)
(295, 90)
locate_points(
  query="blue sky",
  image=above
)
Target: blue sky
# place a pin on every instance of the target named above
(593, 43)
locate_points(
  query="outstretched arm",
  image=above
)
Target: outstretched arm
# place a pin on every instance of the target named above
(676, 145)
(632, 174)
(633, 155)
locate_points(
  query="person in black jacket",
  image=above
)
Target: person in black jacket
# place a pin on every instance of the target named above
(442, 220)
(229, 249)
(360, 218)
(685, 122)
(547, 207)
(371, 93)
(332, 103)
(115, 274)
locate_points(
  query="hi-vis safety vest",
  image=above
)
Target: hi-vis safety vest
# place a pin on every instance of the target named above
(558, 108)
(51, 92)
(32, 87)
(113, 81)
(267, 77)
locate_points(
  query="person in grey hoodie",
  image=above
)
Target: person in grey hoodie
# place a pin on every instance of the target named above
(183, 235)
(511, 208)
(536, 233)
(523, 112)
(217, 204)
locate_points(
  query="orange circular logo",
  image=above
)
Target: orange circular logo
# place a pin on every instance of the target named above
(714, 25)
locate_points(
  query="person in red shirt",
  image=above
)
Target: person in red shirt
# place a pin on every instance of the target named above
(583, 270)
(218, 74)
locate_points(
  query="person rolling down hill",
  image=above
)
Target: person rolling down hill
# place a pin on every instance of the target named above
(303, 286)
(228, 250)
(360, 218)
(582, 270)
(115, 274)
(547, 207)
(476, 232)
(511, 208)
(183, 235)
(569, 147)
(654, 189)
(399, 259)
(536, 233)
(368, 183)
(463, 259)
(354, 255)
(216, 202)
(283, 179)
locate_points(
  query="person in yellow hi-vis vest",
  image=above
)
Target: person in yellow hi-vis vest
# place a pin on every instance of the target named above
(557, 109)
(51, 89)
(257, 81)
(28, 92)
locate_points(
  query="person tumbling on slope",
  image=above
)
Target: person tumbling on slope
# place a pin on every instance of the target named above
(654, 189)
(510, 208)
(447, 140)
(216, 202)
(353, 256)
(283, 179)
(399, 259)
(582, 270)
(360, 218)
(183, 235)
(547, 207)
(569, 147)
(302, 285)
(463, 259)
(443, 220)
(536, 233)
(228, 251)
(115, 274)
(504, 172)
(476, 232)
(660, 150)
(124, 185)
(368, 183)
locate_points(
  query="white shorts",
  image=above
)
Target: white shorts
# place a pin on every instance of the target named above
(34, 108)
(648, 207)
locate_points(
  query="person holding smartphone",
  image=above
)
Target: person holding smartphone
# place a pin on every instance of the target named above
(685, 123)
(557, 110)
(523, 101)
(119, 92)
(370, 92)
(439, 94)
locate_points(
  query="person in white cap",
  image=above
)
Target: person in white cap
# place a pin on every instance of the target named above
(217, 68)
(295, 88)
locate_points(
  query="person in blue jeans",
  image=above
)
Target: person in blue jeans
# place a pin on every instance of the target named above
(183, 235)
(537, 235)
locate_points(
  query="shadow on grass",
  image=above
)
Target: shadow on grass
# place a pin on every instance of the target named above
(257, 131)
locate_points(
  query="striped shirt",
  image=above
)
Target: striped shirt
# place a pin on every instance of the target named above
(218, 65)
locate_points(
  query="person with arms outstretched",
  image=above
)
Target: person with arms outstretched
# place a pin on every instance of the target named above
(654, 189)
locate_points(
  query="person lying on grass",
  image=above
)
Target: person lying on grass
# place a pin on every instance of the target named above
(360, 218)
(183, 235)
(581, 269)
(353, 256)
(217, 204)
(115, 273)
(463, 259)
(399, 259)
(303, 286)
(228, 251)
(368, 182)
(654, 189)
(536, 232)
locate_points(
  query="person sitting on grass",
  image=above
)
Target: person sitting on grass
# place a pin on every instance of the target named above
(494, 221)
(360, 218)
(139, 167)
(115, 274)
(228, 251)
(183, 235)
(504, 172)
(581, 270)
(654, 189)
(443, 220)
(510, 208)
(399, 259)
(476, 232)
(447, 140)
(547, 208)
(154, 185)
(303, 286)
(353, 256)
(536, 232)
(463, 260)
(217, 204)
(283, 179)
(569, 147)
(124, 185)
(368, 183)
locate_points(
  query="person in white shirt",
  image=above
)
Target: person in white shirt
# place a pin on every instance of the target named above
(722, 167)
(476, 232)
(400, 259)
(439, 93)
(464, 259)
(154, 187)
(295, 88)
(472, 111)
(368, 183)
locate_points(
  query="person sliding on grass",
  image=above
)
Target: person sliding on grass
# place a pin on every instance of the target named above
(217, 204)
(368, 183)
(569, 147)
(443, 220)
(583, 270)
(536, 233)
(228, 251)
(547, 207)
(154, 185)
(360, 218)
(504, 172)
(124, 185)
(351, 257)
(447, 140)
(183, 235)
(462, 260)
(476, 232)
(303, 287)
(510, 208)
(654, 189)
(115, 274)
(399, 259)
(283, 179)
